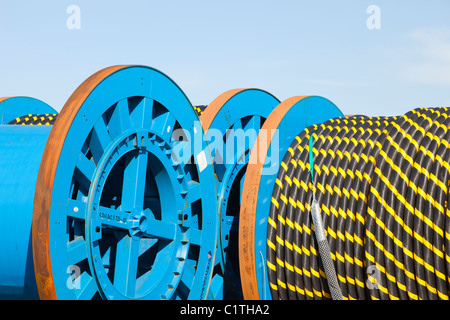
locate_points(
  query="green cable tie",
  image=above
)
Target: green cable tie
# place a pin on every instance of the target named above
(311, 163)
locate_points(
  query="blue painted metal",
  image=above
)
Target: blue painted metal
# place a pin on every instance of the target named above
(15, 107)
(236, 124)
(136, 213)
(130, 219)
(306, 112)
(133, 211)
(21, 149)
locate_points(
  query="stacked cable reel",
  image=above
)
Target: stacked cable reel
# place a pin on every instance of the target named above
(231, 123)
(356, 209)
(114, 212)
(26, 111)
(280, 128)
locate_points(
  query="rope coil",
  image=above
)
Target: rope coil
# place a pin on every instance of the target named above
(35, 119)
(382, 183)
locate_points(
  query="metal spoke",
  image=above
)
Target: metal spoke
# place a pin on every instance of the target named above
(188, 273)
(237, 125)
(134, 181)
(253, 123)
(161, 229)
(195, 236)
(124, 114)
(126, 266)
(99, 139)
(120, 119)
(219, 162)
(86, 167)
(194, 191)
(146, 244)
(163, 125)
(76, 251)
(141, 114)
(87, 287)
(238, 140)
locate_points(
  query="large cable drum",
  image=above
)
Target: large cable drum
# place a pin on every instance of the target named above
(117, 213)
(21, 148)
(14, 110)
(232, 122)
(375, 190)
(273, 141)
(348, 208)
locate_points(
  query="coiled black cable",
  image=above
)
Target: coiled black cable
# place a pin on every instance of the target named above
(200, 109)
(35, 119)
(382, 185)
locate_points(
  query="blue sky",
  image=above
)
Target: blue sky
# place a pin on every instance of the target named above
(288, 48)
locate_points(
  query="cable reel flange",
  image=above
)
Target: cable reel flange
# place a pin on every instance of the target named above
(117, 213)
(231, 123)
(282, 126)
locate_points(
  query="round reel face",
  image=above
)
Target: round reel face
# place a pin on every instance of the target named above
(120, 211)
(279, 130)
(231, 124)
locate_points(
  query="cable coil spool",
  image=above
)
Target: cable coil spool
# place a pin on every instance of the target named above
(382, 184)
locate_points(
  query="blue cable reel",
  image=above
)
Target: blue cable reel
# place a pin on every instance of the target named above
(21, 148)
(14, 107)
(231, 124)
(121, 210)
(285, 122)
